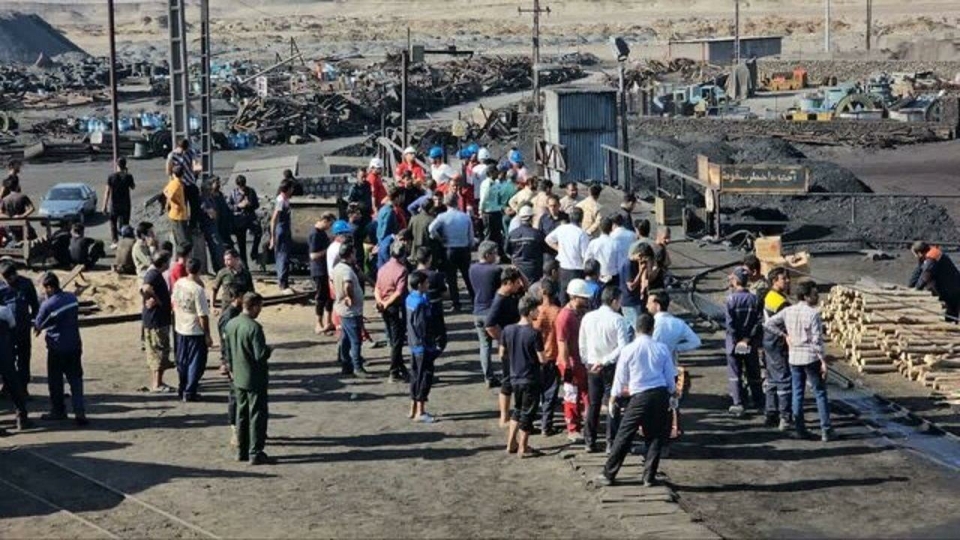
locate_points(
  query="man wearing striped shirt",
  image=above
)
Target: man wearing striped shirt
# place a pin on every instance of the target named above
(802, 326)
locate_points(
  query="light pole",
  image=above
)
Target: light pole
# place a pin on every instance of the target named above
(826, 27)
(115, 131)
(621, 51)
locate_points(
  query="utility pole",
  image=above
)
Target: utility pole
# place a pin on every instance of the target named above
(736, 31)
(826, 27)
(536, 11)
(206, 110)
(115, 115)
(869, 23)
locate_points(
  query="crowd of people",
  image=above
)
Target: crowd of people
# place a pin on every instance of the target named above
(569, 299)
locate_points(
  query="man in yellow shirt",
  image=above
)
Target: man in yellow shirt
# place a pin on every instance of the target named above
(176, 206)
(591, 210)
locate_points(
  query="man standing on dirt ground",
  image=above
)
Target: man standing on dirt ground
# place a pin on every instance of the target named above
(546, 324)
(57, 316)
(244, 203)
(230, 311)
(176, 208)
(454, 229)
(233, 273)
(572, 371)
(8, 372)
(758, 282)
(592, 210)
(348, 305)
(248, 357)
(504, 312)
(525, 247)
(605, 250)
(144, 248)
(570, 242)
(423, 346)
(522, 349)
(192, 328)
(802, 327)
(604, 332)
(281, 236)
(743, 320)
(627, 207)
(646, 374)
(317, 245)
(157, 318)
(389, 293)
(25, 310)
(678, 337)
(436, 286)
(116, 199)
(485, 280)
(776, 353)
(936, 272)
(185, 158)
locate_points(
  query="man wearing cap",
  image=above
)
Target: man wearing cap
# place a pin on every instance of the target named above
(342, 233)
(440, 171)
(375, 180)
(390, 294)
(525, 247)
(123, 258)
(743, 339)
(484, 167)
(409, 166)
(58, 317)
(570, 243)
(591, 210)
(517, 165)
(572, 371)
(454, 230)
(243, 201)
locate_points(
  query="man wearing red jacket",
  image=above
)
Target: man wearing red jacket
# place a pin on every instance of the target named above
(375, 179)
(465, 198)
(409, 165)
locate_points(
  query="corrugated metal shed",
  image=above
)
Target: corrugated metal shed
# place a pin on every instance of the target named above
(720, 51)
(581, 119)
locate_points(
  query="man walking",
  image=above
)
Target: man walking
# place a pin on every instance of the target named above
(521, 347)
(485, 280)
(389, 293)
(248, 350)
(776, 353)
(192, 328)
(743, 319)
(348, 305)
(802, 327)
(454, 230)
(570, 242)
(157, 318)
(116, 198)
(646, 374)
(57, 316)
(603, 335)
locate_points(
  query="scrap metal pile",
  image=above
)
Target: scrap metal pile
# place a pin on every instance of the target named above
(374, 95)
(678, 71)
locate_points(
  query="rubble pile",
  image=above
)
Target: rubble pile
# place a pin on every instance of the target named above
(677, 71)
(375, 98)
(25, 38)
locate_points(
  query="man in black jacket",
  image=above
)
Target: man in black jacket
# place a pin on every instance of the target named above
(935, 272)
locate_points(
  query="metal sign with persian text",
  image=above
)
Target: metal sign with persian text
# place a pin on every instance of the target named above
(764, 179)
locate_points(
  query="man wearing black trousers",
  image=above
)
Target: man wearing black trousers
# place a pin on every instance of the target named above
(27, 304)
(646, 373)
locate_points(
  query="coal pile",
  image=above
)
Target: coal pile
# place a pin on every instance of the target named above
(25, 38)
(872, 218)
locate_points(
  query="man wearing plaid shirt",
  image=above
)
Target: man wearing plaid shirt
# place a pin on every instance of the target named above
(802, 326)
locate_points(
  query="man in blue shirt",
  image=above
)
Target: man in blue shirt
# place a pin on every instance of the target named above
(58, 317)
(454, 229)
(645, 373)
(744, 333)
(8, 372)
(422, 339)
(25, 310)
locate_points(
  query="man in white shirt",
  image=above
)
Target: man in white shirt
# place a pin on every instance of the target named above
(622, 236)
(645, 373)
(192, 330)
(440, 171)
(348, 305)
(605, 251)
(570, 243)
(603, 335)
(668, 329)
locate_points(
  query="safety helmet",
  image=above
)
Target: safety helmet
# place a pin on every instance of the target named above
(376, 163)
(483, 154)
(578, 287)
(410, 150)
(516, 157)
(341, 227)
(436, 153)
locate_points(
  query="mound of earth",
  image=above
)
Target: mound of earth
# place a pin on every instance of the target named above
(24, 38)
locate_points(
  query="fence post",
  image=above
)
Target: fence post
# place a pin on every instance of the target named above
(853, 210)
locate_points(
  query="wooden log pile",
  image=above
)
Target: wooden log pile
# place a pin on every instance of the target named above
(894, 329)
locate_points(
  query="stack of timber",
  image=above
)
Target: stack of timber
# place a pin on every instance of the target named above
(894, 329)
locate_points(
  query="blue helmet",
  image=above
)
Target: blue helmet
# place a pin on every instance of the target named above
(436, 153)
(341, 227)
(469, 151)
(503, 166)
(516, 157)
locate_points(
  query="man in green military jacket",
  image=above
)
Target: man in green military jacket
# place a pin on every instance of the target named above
(248, 353)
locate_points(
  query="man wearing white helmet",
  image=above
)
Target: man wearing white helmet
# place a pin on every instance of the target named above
(477, 172)
(409, 166)
(572, 371)
(440, 171)
(375, 179)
